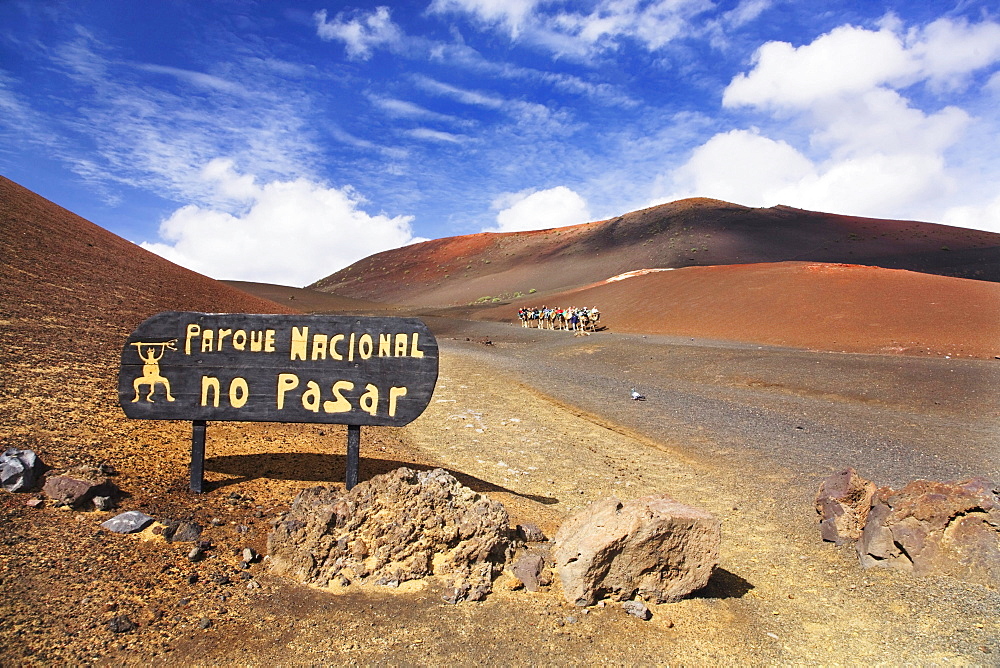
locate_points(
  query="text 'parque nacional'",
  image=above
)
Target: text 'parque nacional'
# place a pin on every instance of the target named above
(278, 368)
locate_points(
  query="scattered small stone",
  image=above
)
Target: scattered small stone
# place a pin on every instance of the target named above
(122, 624)
(249, 555)
(127, 522)
(530, 533)
(204, 544)
(216, 522)
(571, 619)
(103, 503)
(246, 576)
(637, 609)
(221, 579)
(34, 503)
(195, 554)
(242, 529)
(182, 532)
(204, 623)
(193, 578)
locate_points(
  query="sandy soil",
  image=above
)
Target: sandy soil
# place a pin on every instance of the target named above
(780, 595)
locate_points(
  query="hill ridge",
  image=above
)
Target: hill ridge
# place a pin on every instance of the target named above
(690, 232)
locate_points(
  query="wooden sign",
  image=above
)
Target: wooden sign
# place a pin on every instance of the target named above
(278, 368)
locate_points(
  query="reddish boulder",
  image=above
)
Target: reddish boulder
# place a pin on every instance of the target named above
(843, 502)
(947, 528)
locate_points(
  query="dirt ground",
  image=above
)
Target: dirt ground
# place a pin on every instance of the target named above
(780, 595)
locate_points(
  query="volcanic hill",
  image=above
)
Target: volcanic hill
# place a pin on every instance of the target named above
(692, 232)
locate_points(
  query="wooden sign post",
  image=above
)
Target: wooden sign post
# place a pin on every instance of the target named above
(277, 368)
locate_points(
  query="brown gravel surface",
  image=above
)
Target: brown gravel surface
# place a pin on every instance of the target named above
(526, 420)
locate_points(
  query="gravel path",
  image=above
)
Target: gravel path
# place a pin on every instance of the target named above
(748, 434)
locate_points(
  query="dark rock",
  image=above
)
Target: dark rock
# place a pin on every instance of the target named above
(221, 579)
(843, 502)
(941, 528)
(530, 533)
(122, 624)
(19, 470)
(528, 567)
(78, 486)
(653, 546)
(128, 522)
(637, 609)
(399, 526)
(204, 623)
(182, 532)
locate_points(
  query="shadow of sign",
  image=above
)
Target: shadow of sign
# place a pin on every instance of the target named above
(322, 468)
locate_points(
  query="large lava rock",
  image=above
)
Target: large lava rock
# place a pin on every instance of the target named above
(950, 528)
(395, 527)
(654, 546)
(843, 502)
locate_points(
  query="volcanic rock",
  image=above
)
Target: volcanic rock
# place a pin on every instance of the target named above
(182, 532)
(128, 522)
(122, 624)
(19, 470)
(947, 528)
(77, 486)
(653, 546)
(528, 567)
(396, 527)
(637, 609)
(843, 502)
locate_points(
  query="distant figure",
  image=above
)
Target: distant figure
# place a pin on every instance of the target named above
(636, 396)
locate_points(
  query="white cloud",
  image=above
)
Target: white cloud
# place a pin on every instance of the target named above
(511, 14)
(848, 136)
(850, 61)
(741, 166)
(435, 135)
(581, 33)
(463, 95)
(539, 210)
(984, 216)
(288, 232)
(362, 32)
(198, 79)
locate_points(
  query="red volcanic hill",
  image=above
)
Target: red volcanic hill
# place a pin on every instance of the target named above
(692, 232)
(71, 292)
(830, 307)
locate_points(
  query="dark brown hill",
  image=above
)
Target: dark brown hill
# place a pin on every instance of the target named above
(71, 292)
(692, 232)
(311, 301)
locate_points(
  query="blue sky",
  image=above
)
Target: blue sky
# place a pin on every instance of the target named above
(281, 141)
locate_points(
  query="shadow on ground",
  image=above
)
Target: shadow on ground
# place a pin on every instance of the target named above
(324, 468)
(724, 584)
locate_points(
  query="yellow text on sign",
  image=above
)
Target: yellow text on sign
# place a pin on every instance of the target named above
(312, 396)
(215, 340)
(343, 346)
